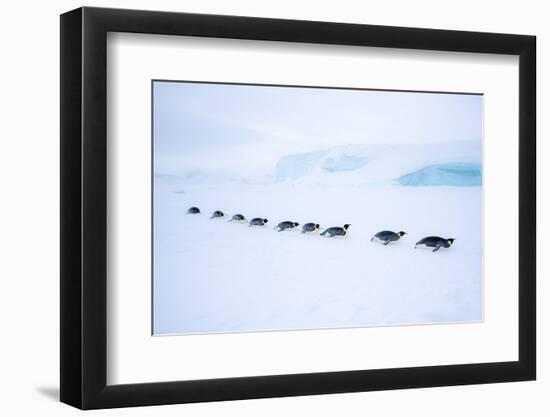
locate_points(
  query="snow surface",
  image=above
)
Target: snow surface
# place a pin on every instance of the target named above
(216, 276)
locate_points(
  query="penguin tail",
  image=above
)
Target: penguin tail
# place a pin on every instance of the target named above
(324, 233)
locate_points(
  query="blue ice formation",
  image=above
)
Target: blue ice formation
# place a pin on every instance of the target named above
(300, 165)
(450, 174)
(344, 163)
(296, 166)
(425, 164)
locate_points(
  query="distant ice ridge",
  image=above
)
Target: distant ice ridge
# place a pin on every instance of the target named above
(205, 178)
(447, 163)
(457, 174)
(296, 166)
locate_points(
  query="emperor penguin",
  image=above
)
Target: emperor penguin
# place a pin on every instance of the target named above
(386, 236)
(217, 215)
(257, 221)
(435, 242)
(336, 231)
(193, 210)
(310, 228)
(286, 226)
(238, 218)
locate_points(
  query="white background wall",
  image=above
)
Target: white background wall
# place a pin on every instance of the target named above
(29, 236)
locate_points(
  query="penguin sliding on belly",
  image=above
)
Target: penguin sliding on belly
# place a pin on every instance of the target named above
(435, 242)
(257, 221)
(286, 226)
(386, 236)
(310, 228)
(217, 215)
(238, 218)
(193, 210)
(336, 231)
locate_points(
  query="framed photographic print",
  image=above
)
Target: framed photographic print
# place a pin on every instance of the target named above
(258, 208)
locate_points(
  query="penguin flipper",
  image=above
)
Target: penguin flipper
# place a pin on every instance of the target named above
(386, 242)
(436, 248)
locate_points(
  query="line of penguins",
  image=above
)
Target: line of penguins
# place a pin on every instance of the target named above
(384, 237)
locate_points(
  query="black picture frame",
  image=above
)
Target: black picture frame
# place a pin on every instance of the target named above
(84, 207)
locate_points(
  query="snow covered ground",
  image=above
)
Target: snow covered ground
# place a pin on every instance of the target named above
(211, 275)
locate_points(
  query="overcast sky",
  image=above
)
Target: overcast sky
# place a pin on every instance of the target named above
(245, 130)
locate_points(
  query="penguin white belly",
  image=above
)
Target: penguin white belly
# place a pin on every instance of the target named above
(340, 236)
(422, 246)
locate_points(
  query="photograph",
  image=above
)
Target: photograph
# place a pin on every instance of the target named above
(280, 208)
(280, 204)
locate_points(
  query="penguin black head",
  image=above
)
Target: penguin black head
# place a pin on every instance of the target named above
(296, 224)
(451, 241)
(265, 220)
(402, 233)
(346, 226)
(317, 226)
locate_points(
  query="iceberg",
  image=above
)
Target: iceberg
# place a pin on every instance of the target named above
(344, 163)
(416, 164)
(451, 174)
(296, 166)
